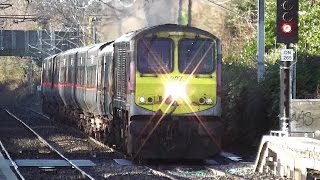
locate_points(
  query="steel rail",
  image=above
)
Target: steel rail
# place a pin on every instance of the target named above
(162, 174)
(45, 116)
(154, 171)
(12, 161)
(51, 147)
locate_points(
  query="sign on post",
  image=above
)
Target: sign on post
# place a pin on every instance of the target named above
(287, 55)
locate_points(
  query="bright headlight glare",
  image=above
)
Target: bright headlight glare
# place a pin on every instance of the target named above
(209, 101)
(176, 90)
(141, 100)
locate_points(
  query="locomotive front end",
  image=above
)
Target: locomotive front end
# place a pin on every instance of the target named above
(177, 104)
(177, 71)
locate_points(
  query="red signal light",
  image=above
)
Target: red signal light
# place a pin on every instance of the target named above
(286, 28)
(287, 21)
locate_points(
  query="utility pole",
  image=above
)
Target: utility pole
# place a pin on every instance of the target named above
(30, 74)
(260, 44)
(93, 30)
(180, 12)
(189, 12)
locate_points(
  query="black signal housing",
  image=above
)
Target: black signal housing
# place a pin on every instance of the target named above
(287, 21)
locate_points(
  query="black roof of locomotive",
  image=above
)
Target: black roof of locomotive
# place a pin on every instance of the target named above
(164, 27)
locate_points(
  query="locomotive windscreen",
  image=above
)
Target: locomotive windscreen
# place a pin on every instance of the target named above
(196, 56)
(155, 55)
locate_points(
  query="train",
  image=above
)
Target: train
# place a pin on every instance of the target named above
(154, 93)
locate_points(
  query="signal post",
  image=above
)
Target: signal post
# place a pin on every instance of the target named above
(284, 153)
(287, 33)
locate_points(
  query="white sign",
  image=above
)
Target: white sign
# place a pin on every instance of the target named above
(287, 55)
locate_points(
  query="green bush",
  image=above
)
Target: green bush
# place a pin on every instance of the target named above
(250, 108)
(14, 85)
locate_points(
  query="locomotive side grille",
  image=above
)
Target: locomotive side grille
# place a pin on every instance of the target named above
(121, 71)
(123, 74)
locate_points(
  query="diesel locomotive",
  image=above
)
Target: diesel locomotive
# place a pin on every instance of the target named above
(154, 93)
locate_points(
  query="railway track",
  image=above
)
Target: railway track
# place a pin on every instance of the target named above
(13, 163)
(192, 170)
(153, 170)
(185, 170)
(79, 173)
(108, 166)
(173, 170)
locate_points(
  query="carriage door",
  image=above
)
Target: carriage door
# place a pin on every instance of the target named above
(101, 83)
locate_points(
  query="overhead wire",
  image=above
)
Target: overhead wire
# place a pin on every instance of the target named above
(6, 1)
(134, 11)
(231, 11)
(25, 15)
(108, 3)
(75, 21)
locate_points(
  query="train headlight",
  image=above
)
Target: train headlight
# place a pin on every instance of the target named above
(175, 90)
(150, 100)
(202, 100)
(142, 100)
(209, 101)
(146, 100)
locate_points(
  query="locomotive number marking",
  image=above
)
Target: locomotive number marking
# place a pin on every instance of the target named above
(176, 78)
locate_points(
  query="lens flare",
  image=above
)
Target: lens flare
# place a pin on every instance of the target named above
(176, 90)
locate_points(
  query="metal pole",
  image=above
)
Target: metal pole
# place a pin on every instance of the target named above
(93, 30)
(80, 39)
(91, 21)
(294, 77)
(189, 12)
(53, 42)
(30, 74)
(180, 12)
(260, 44)
(94, 33)
(285, 95)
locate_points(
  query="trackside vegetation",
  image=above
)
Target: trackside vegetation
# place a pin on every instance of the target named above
(251, 108)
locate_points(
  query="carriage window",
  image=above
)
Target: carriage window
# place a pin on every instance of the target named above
(155, 55)
(62, 75)
(196, 56)
(80, 77)
(91, 75)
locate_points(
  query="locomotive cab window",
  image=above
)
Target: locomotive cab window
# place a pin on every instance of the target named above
(155, 55)
(196, 56)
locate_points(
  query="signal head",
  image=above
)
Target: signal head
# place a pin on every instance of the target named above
(287, 21)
